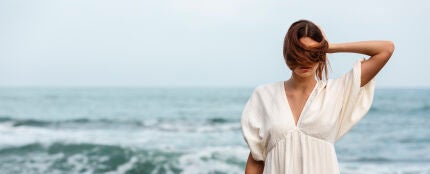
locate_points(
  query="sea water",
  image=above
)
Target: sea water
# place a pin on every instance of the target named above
(185, 130)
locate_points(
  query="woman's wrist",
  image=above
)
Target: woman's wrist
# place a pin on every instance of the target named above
(332, 48)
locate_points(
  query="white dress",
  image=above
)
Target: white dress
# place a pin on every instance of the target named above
(331, 110)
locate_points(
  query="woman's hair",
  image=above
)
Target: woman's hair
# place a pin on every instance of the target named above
(297, 54)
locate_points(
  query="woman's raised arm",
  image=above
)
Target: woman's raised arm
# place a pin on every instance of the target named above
(380, 52)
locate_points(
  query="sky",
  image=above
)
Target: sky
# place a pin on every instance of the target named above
(182, 43)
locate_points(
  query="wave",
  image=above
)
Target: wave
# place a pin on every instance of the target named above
(372, 159)
(62, 157)
(16, 132)
(383, 160)
(80, 121)
(416, 109)
(414, 140)
(95, 158)
(92, 158)
(161, 123)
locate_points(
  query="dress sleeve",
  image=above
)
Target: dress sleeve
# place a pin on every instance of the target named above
(356, 100)
(251, 125)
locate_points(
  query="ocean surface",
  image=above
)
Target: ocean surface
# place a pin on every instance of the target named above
(185, 130)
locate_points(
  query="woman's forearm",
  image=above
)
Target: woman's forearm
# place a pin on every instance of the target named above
(369, 48)
(253, 167)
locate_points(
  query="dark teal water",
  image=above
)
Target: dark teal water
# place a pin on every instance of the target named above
(185, 130)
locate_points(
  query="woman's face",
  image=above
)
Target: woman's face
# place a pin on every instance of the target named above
(307, 70)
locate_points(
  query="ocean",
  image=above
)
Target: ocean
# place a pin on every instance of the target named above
(185, 130)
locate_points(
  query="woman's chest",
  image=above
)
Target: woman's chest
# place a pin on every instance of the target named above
(319, 118)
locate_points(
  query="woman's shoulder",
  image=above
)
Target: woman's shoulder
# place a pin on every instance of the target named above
(269, 88)
(269, 85)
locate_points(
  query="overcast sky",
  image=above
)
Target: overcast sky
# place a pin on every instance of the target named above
(197, 42)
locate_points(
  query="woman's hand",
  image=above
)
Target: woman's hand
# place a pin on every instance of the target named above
(325, 38)
(309, 43)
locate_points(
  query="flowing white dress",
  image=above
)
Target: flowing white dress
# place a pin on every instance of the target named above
(331, 110)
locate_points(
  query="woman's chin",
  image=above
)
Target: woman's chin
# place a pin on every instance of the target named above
(305, 74)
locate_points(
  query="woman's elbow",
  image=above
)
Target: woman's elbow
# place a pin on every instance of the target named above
(389, 47)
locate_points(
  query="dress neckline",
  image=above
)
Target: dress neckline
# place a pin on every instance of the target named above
(285, 99)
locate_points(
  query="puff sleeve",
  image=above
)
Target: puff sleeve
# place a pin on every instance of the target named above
(355, 100)
(251, 125)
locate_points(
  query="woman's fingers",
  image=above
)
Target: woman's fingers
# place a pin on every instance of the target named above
(325, 37)
(309, 42)
(322, 31)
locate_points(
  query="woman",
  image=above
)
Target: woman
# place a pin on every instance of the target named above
(291, 126)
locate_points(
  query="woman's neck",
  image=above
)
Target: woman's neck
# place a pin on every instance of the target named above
(296, 82)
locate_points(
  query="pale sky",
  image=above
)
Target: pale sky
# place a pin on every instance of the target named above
(197, 42)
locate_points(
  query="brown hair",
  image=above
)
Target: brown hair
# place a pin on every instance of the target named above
(297, 54)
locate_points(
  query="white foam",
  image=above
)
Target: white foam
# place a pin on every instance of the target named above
(79, 163)
(122, 169)
(24, 135)
(384, 168)
(213, 159)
